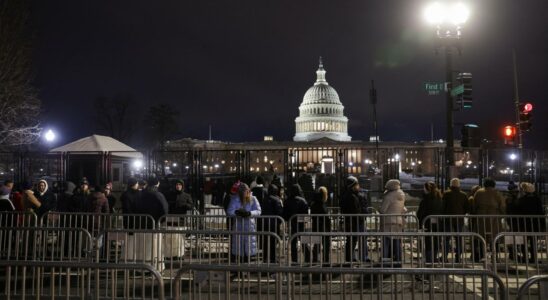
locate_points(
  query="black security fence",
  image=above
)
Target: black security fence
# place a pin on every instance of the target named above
(208, 174)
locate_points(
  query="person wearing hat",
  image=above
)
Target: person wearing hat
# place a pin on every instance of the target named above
(455, 202)
(244, 206)
(351, 203)
(179, 201)
(107, 190)
(81, 197)
(393, 203)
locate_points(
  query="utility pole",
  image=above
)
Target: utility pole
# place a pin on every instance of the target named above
(373, 99)
(518, 123)
(449, 146)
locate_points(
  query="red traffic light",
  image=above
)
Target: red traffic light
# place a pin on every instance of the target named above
(525, 108)
(509, 131)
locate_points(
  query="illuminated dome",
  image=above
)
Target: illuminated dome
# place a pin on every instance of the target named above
(321, 113)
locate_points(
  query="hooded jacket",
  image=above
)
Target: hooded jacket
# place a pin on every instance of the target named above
(180, 202)
(47, 198)
(393, 202)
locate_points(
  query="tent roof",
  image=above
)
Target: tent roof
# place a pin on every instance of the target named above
(98, 143)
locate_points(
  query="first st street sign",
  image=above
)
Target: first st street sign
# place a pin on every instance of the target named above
(435, 88)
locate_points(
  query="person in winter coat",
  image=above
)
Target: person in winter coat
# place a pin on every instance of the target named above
(180, 202)
(244, 207)
(98, 202)
(46, 197)
(393, 202)
(431, 204)
(295, 205)
(455, 202)
(272, 207)
(321, 224)
(107, 190)
(351, 203)
(81, 197)
(65, 198)
(528, 204)
(129, 197)
(487, 201)
(30, 202)
(152, 202)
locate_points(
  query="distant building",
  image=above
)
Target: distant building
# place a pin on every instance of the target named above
(321, 114)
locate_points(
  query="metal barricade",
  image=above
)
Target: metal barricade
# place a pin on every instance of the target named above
(45, 244)
(352, 222)
(220, 222)
(488, 226)
(95, 223)
(194, 222)
(61, 279)
(542, 288)
(519, 256)
(243, 281)
(18, 219)
(379, 249)
(168, 250)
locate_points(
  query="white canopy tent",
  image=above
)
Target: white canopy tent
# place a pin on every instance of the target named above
(99, 143)
(99, 158)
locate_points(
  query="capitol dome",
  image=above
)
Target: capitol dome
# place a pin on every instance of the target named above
(321, 113)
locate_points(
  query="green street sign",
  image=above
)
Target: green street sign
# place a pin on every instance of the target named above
(457, 90)
(434, 88)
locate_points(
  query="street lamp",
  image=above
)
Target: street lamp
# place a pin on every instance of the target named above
(49, 136)
(448, 19)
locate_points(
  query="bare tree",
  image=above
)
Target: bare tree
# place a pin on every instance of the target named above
(161, 124)
(19, 104)
(116, 116)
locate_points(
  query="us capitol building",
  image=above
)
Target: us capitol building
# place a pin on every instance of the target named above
(321, 145)
(321, 114)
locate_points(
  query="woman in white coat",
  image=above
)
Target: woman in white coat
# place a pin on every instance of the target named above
(393, 203)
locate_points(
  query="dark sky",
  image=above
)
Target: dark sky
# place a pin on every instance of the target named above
(244, 66)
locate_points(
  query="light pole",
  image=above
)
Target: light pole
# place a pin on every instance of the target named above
(448, 19)
(513, 158)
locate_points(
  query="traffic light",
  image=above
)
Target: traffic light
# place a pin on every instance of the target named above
(464, 99)
(525, 115)
(470, 136)
(509, 132)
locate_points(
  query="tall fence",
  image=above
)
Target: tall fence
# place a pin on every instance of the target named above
(209, 173)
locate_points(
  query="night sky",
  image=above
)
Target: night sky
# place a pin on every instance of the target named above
(244, 66)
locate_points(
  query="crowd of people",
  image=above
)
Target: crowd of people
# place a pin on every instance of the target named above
(481, 201)
(246, 202)
(140, 197)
